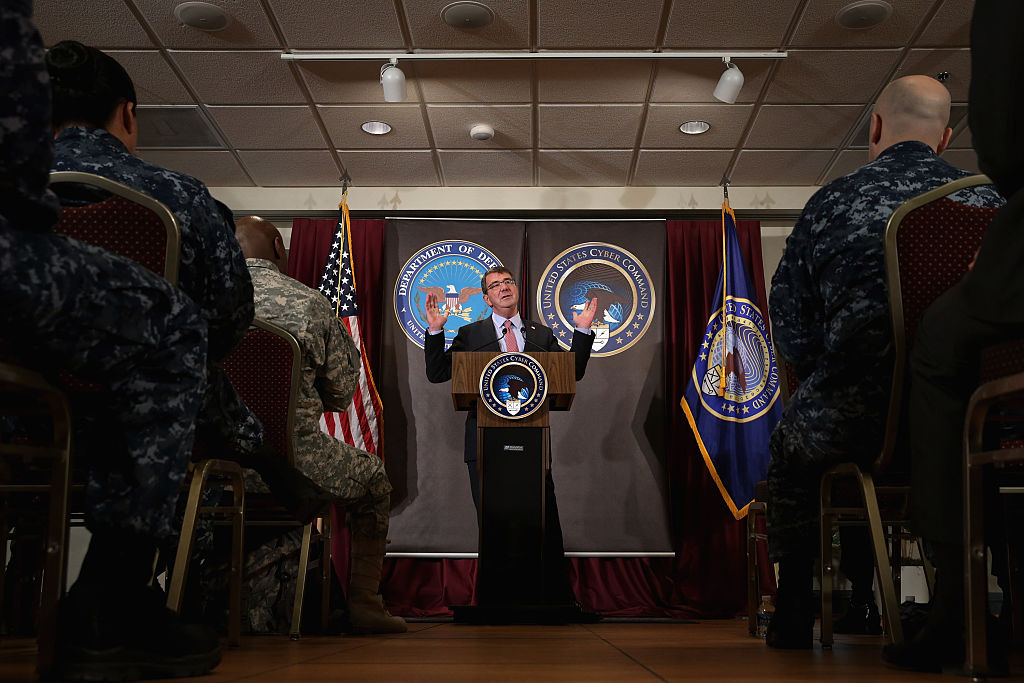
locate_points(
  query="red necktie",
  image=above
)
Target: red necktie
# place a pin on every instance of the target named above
(510, 338)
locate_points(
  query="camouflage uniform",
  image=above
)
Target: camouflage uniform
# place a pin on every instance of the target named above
(830, 319)
(212, 268)
(67, 305)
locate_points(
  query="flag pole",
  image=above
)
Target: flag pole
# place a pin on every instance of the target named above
(725, 337)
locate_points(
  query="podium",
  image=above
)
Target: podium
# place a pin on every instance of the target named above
(513, 459)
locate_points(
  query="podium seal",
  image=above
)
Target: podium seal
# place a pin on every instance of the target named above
(513, 385)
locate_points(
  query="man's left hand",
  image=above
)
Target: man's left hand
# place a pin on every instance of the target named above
(583, 319)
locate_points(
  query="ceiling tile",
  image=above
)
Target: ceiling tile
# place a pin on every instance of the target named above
(279, 168)
(503, 167)
(818, 26)
(512, 124)
(269, 127)
(800, 125)
(371, 26)
(848, 161)
(832, 77)
(106, 24)
(932, 62)
(962, 158)
(950, 27)
(714, 25)
(565, 126)
(727, 123)
(398, 169)
(247, 26)
(779, 167)
(664, 168)
(154, 80)
(606, 24)
(216, 169)
(240, 77)
(406, 121)
(510, 29)
(693, 80)
(593, 80)
(479, 81)
(583, 168)
(350, 82)
(962, 139)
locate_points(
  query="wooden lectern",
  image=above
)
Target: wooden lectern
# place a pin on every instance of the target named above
(513, 459)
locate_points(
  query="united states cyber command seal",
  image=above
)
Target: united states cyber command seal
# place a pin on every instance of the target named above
(513, 385)
(738, 353)
(608, 273)
(451, 270)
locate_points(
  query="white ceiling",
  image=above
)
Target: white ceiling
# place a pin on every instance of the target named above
(798, 121)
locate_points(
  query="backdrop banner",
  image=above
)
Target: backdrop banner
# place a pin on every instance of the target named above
(431, 506)
(608, 452)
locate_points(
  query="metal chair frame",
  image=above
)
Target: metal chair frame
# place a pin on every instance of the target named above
(172, 255)
(869, 512)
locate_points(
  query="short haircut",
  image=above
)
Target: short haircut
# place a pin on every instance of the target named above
(491, 271)
(88, 85)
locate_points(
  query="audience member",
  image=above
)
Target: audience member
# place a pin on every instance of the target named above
(67, 305)
(830, 319)
(985, 307)
(330, 371)
(94, 120)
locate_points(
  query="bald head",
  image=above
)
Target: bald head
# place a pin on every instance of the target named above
(260, 239)
(910, 108)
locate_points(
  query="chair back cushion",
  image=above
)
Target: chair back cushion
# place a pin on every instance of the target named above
(261, 370)
(120, 226)
(935, 243)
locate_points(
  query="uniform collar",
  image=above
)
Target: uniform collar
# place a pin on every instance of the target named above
(261, 263)
(75, 133)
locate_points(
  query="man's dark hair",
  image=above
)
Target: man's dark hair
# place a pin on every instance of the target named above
(88, 85)
(495, 269)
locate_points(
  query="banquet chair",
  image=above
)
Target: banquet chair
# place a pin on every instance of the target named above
(107, 214)
(265, 369)
(25, 394)
(1001, 375)
(929, 242)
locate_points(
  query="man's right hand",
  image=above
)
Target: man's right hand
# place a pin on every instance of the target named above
(435, 319)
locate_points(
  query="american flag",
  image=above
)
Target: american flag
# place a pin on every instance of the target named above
(360, 424)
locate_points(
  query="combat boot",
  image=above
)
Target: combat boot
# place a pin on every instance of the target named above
(366, 611)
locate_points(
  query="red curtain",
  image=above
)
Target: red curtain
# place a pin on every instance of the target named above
(706, 578)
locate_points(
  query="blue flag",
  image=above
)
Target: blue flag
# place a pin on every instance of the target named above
(732, 400)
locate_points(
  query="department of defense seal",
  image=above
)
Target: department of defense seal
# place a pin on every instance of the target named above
(450, 269)
(735, 372)
(513, 385)
(608, 273)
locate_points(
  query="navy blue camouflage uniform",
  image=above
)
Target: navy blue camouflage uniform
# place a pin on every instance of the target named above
(64, 304)
(212, 268)
(830, 320)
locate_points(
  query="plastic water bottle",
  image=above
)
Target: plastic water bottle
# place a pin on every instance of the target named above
(764, 615)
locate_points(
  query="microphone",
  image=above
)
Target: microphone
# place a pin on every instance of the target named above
(534, 344)
(501, 336)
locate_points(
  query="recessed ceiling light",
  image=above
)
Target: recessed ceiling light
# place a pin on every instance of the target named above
(201, 15)
(376, 128)
(467, 14)
(863, 14)
(695, 127)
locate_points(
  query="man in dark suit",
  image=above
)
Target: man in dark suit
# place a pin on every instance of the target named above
(505, 330)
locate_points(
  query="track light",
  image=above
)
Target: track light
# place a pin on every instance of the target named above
(393, 81)
(730, 84)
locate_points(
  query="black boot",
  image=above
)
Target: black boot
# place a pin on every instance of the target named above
(114, 626)
(792, 626)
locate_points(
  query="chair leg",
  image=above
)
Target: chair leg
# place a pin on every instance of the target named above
(752, 597)
(183, 555)
(928, 567)
(237, 559)
(326, 567)
(976, 571)
(827, 520)
(55, 566)
(890, 602)
(300, 586)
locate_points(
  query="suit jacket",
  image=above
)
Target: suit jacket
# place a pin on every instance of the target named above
(480, 336)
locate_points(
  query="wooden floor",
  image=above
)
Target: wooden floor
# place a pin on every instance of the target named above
(710, 650)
